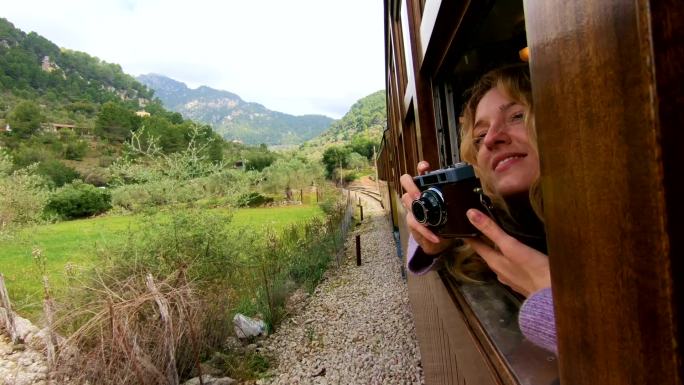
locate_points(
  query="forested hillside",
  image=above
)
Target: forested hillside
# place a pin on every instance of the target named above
(366, 117)
(69, 113)
(350, 142)
(33, 67)
(234, 118)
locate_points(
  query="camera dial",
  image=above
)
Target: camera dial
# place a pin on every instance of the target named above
(430, 208)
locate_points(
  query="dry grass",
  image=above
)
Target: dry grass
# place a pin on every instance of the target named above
(136, 331)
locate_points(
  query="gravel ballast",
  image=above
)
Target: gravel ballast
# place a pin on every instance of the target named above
(357, 326)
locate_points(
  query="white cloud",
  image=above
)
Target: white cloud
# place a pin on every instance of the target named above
(298, 56)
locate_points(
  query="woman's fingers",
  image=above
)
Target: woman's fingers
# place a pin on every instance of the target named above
(489, 228)
(491, 256)
(407, 200)
(408, 185)
(418, 229)
(422, 167)
(428, 241)
(517, 265)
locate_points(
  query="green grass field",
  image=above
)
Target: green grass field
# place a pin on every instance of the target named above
(72, 245)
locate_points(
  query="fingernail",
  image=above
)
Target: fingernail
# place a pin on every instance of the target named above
(474, 216)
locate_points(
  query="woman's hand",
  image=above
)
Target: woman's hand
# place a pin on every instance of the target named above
(517, 265)
(428, 241)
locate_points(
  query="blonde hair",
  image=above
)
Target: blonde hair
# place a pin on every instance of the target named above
(513, 82)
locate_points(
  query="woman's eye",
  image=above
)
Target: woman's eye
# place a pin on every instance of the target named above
(478, 138)
(517, 117)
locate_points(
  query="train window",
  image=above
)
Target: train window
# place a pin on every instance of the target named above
(446, 124)
(486, 35)
(398, 56)
(495, 34)
(405, 30)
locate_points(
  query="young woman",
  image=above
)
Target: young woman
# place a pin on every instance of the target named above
(498, 138)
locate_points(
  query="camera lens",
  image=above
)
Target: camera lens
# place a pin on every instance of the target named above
(429, 208)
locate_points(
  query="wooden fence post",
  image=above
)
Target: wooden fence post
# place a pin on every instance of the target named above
(8, 316)
(162, 303)
(358, 250)
(50, 340)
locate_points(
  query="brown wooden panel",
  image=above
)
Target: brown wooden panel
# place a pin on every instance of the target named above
(604, 188)
(419, 92)
(668, 49)
(438, 29)
(410, 145)
(449, 353)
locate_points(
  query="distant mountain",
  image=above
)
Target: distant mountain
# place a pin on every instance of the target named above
(232, 117)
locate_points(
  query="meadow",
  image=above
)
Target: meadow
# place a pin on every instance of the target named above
(68, 247)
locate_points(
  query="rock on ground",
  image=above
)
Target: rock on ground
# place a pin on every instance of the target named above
(21, 364)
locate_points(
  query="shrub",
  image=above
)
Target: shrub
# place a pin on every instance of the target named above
(77, 200)
(252, 199)
(330, 204)
(59, 173)
(357, 161)
(23, 195)
(260, 160)
(137, 197)
(76, 151)
(27, 155)
(350, 176)
(335, 157)
(25, 119)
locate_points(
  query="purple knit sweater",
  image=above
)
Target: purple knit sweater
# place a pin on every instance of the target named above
(536, 318)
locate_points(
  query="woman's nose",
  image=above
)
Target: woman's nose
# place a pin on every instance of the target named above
(496, 134)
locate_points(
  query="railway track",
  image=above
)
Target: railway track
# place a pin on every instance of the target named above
(369, 192)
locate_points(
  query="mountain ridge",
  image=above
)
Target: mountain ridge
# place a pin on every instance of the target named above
(231, 116)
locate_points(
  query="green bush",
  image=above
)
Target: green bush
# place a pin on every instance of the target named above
(252, 199)
(76, 150)
(27, 155)
(351, 176)
(23, 194)
(59, 173)
(137, 197)
(198, 241)
(330, 204)
(77, 200)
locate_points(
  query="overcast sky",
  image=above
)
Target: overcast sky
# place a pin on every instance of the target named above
(293, 56)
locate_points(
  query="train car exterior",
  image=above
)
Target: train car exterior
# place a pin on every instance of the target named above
(609, 110)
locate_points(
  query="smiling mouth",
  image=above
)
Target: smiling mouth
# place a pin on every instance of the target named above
(507, 160)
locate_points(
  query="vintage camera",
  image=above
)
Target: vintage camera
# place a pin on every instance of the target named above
(446, 196)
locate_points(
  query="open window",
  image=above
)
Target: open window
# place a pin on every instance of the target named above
(491, 35)
(447, 47)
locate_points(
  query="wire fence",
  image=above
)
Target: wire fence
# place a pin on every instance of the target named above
(340, 236)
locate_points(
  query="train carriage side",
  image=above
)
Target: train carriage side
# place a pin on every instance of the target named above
(609, 111)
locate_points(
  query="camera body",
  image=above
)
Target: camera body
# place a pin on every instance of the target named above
(446, 195)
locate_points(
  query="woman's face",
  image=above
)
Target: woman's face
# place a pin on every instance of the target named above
(505, 156)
